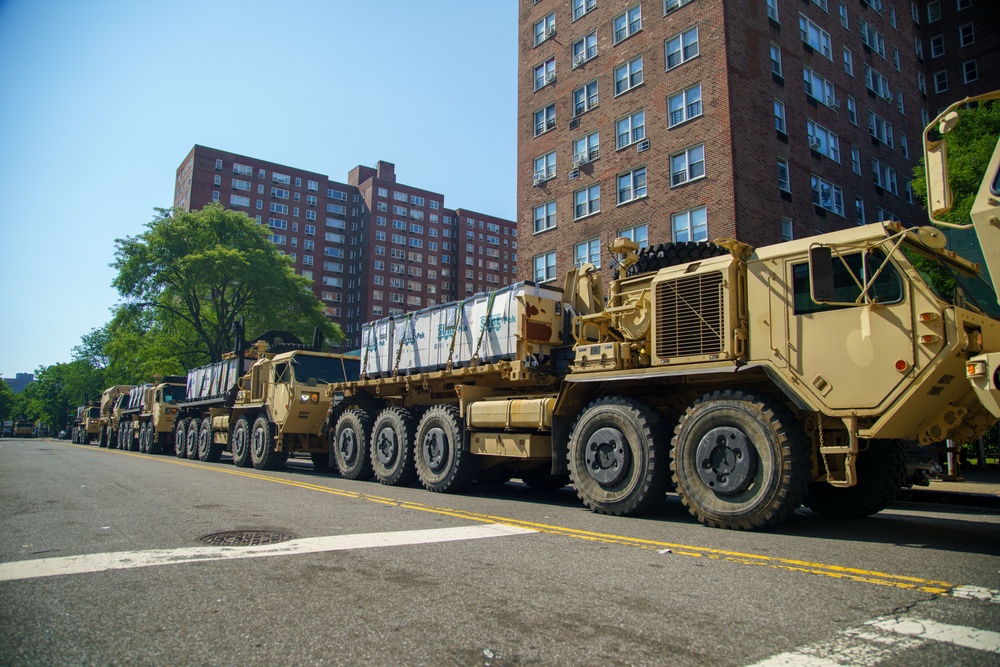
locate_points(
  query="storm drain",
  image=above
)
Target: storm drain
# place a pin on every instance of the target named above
(246, 538)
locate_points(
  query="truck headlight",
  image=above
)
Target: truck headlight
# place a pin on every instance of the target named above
(307, 397)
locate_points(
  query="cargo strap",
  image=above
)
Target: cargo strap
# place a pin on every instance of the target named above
(459, 315)
(482, 332)
(402, 339)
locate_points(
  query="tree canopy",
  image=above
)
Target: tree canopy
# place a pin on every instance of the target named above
(187, 279)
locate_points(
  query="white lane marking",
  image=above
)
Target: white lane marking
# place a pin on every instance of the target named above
(976, 593)
(880, 640)
(53, 567)
(959, 635)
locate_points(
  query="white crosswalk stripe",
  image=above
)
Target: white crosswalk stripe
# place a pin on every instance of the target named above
(880, 639)
(53, 567)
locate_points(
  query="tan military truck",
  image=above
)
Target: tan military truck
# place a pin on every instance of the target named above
(153, 429)
(749, 380)
(262, 403)
(86, 426)
(107, 420)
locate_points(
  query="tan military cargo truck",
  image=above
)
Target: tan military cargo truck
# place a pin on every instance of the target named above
(107, 421)
(749, 380)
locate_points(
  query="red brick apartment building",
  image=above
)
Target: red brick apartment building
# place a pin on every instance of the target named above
(372, 246)
(764, 120)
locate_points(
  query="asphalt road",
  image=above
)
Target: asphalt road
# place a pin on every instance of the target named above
(101, 563)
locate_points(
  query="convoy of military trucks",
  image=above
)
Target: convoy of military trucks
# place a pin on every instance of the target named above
(749, 381)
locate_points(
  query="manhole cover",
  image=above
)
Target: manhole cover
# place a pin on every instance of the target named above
(246, 538)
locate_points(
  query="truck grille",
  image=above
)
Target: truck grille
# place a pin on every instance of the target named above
(689, 316)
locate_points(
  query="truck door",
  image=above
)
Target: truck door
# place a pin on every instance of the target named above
(846, 354)
(282, 376)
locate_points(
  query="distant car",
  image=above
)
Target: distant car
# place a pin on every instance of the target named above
(63, 435)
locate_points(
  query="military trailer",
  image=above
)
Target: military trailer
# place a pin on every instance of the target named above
(262, 403)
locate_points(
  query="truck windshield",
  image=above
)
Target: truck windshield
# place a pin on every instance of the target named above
(311, 370)
(95, 412)
(947, 283)
(173, 394)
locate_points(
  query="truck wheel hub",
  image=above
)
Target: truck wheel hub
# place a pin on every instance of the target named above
(727, 461)
(347, 445)
(435, 449)
(385, 446)
(608, 456)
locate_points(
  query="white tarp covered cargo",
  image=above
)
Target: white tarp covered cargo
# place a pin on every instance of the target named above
(484, 326)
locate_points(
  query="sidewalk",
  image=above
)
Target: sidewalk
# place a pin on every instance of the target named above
(978, 488)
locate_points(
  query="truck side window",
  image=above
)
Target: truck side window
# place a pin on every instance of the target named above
(281, 373)
(888, 288)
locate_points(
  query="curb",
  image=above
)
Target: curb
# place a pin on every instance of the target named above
(982, 500)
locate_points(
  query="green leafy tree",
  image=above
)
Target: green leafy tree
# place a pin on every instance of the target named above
(188, 278)
(6, 401)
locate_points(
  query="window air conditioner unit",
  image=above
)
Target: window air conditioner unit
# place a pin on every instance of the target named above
(642, 146)
(835, 106)
(815, 145)
(538, 179)
(574, 174)
(550, 77)
(579, 159)
(550, 31)
(580, 57)
(574, 123)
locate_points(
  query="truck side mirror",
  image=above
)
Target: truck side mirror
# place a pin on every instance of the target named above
(821, 273)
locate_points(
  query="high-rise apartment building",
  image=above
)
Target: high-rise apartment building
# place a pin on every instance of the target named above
(372, 246)
(682, 120)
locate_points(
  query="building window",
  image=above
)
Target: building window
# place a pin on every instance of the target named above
(895, 59)
(899, 102)
(970, 71)
(545, 28)
(545, 266)
(586, 202)
(585, 98)
(823, 141)
(587, 251)
(941, 81)
(909, 190)
(848, 61)
(881, 129)
(918, 47)
(632, 186)
(690, 225)
(585, 49)
(856, 160)
(877, 83)
(966, 35)
(784, 183)
(933, 11)
(630, 129)
(815, 36)
(639, 234)
(827, 196)
(964, 4)
(217, 181)
(892, 17)
(884, 176)
(628, 76)
(218, 164)
(937, 46)
(545, 119)
(581, 7)
(842, 9)
(776, 59)
(873, 39)
(915, 12)
(545, 217)
(688, 165)
(586, 149)
(215, 195)
(545, 167)
(681, 48)
(772, 10)
(545, 73)
(904, 148)
(627, 24)
(819, 88)
(779, 116)
(786, 229)
(921, 83)
(824, 4)
(684, 106)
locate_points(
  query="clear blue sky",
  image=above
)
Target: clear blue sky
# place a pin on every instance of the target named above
(101, 100)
